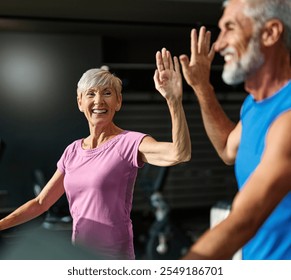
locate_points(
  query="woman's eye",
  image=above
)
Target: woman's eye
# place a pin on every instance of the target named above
(107, 93)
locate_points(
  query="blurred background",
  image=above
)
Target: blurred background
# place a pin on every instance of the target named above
(45, 46)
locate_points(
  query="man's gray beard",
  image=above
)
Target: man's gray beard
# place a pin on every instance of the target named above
(237, 72)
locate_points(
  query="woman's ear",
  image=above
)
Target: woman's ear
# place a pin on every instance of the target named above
(79, 101)
(119, 102)
(272, 32)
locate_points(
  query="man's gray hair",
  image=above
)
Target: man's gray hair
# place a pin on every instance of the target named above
(260, 11)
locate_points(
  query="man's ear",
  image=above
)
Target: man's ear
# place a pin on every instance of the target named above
(79, 101)
(272, 32)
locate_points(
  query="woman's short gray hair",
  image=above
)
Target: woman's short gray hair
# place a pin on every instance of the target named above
(97, 77)
(260, 11)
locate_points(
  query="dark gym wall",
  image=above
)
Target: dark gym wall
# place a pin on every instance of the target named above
(39, 115)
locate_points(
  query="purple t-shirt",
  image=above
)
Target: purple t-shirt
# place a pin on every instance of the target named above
(99, 186)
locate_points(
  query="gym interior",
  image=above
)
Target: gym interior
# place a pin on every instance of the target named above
(45, 46)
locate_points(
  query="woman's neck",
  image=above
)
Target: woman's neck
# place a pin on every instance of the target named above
(99, 136)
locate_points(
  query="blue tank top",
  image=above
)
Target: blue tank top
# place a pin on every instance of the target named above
(273, 240)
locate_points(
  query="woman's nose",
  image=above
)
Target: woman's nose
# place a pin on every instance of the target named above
(98, 99)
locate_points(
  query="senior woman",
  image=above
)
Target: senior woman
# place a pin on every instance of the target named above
(98, 172)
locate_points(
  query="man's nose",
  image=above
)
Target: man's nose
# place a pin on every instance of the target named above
(220, 43)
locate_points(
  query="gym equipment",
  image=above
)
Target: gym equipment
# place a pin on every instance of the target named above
(165, 239)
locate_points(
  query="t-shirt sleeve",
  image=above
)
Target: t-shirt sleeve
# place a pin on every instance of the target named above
(129, 148)
(136, 160)
(61, 164)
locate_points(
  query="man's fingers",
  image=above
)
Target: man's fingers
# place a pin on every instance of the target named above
(193, 45)
(184, 60)
(201, 39)
(207, 41)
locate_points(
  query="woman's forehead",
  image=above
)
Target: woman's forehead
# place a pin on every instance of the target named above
(100, 88)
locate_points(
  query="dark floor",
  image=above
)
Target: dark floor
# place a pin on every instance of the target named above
(174, 236)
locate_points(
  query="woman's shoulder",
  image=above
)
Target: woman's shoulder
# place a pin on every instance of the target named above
(74, 145)
(133, 135)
